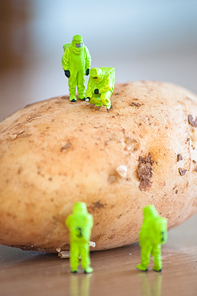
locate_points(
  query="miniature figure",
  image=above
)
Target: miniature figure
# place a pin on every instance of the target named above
(100, 86)
(76, 64)
(80, 223)
(153, 234)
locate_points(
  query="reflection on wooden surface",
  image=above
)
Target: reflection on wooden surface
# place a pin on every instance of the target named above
(150, 289)
(80, 285)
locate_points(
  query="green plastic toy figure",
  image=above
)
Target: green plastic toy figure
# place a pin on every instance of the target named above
(153, 234)
(100, 86)
(80, 223)
(76, 64)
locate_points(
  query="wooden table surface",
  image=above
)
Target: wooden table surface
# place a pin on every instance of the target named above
(33, 273)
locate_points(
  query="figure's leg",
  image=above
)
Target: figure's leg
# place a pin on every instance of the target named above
(85, 258)
(72, 83)
(145, 257)
(81, 85)
(105, 99)
(156, 253)
(95, 99)
(74, 257)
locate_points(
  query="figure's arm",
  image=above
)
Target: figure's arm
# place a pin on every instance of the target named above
(67, 222)
(88, 61)
(90, 89)
(65, 60)
(91, 221)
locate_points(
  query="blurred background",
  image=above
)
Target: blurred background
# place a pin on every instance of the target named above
(144, 39)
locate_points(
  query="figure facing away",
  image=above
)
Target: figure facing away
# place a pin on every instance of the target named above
(100, 86)
(80, 223)
(76, 64)
(153, 234)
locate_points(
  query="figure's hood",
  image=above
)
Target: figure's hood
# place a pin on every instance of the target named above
(149, 212)
(80, 208)
(77, 44)
(97, 75)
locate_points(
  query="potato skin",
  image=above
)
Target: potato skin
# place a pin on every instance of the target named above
(55, 153)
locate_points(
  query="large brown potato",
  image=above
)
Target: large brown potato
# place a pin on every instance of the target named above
(55, 153)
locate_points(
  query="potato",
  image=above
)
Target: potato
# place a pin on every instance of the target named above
(55, 153)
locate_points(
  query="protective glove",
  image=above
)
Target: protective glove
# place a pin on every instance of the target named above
(96, 91)
(87, 72)
(67, 73)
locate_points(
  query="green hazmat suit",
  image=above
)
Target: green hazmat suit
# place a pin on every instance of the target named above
(80, 223)
(100, 86)
(77, 61)
(153, 234)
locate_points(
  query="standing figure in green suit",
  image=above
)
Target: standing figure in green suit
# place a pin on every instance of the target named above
(153, 234)
(101, 86)
(80, 223)
(76, 64)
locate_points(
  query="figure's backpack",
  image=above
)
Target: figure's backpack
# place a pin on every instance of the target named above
(65, 46)
(111, 72)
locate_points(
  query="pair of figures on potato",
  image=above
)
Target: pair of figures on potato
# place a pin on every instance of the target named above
(76, 63)
(153, 234)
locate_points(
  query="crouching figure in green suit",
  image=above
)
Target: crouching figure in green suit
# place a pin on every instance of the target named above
(153, 234)
(80, 223)
(101, 86)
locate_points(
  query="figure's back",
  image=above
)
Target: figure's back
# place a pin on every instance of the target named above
(80, 227)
